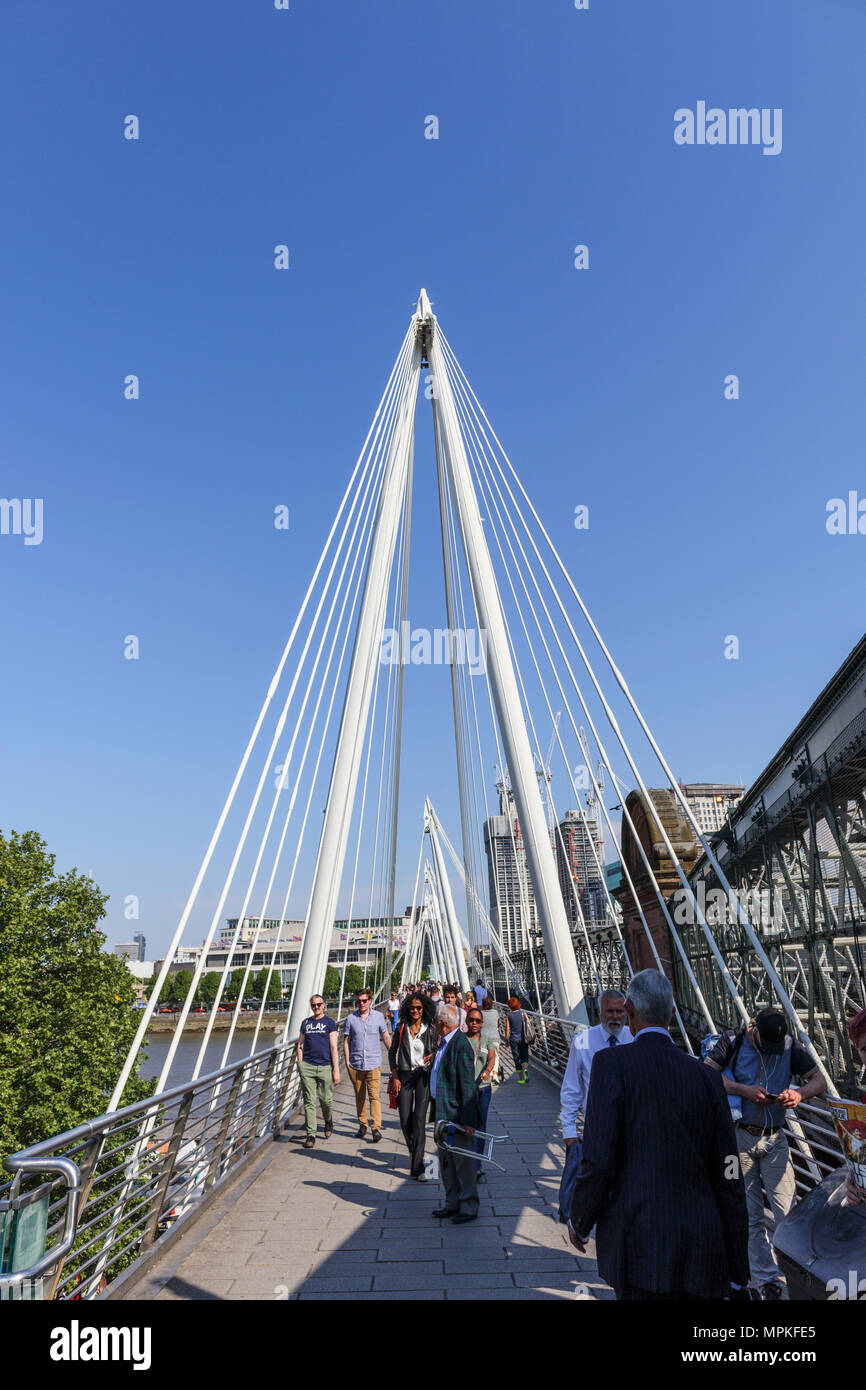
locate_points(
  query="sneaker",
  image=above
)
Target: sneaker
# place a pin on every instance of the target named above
(520, 1080)
(362, 1132)
(329, 1130)
(309, 1142)
(376, 1135)
(771, 1293)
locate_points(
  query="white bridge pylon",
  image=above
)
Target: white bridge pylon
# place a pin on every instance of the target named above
(504, 577)
(565, 978)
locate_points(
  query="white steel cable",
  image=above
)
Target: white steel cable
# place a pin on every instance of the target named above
(608, 764)
(268, 762)
(147, 1013)
(347, 589)
(523, 890)
(742, 918)
(526, 701)
(490, 500)
(342, 587)
(170, 954)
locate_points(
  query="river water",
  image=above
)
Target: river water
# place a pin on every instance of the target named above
(185, 1058)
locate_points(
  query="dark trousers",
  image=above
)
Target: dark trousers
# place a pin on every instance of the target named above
(412, 1104)
(460, 1180)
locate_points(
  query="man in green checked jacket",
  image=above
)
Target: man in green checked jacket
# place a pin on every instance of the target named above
(454, 1096)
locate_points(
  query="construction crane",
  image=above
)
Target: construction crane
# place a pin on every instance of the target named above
(544, 774)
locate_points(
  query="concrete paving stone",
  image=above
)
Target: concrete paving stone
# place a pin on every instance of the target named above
(510, 1207)
(390, 1249)
(362, 1242)
(512, 1295)
(511, 1264)
(340, 1283)
(406, 1279)
(562, 1279)
(415, 1294)
(270, 1284)
(190, 1291)
(223, 1235)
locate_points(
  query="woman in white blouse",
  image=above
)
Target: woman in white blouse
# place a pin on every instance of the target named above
(411, 1052)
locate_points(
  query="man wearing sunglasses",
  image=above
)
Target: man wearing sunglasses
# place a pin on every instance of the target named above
(318, 1063)
(363, 1034)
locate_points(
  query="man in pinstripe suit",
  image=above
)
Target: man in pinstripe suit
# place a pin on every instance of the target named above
(660, 1174)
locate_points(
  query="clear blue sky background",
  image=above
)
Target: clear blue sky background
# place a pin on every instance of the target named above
(257, 387)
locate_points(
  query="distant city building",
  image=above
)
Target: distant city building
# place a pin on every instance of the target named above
(711, 803)
(578, 847)
(512, 901)
(280, 944)
(138, 938)
(127, 950)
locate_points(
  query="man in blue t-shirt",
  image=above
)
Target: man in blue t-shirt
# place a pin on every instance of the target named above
(318, 1063)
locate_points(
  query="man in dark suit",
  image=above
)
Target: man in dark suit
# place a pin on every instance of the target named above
(454, 1097)
(660, 1174)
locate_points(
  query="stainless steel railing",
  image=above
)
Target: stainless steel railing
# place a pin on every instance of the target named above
(815, 1147)
(120, 1182)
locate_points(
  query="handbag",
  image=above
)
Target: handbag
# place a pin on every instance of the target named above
(529, 1036)
(392, 1094)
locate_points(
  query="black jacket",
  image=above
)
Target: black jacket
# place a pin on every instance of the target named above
(660, 1173)
(399, 1056)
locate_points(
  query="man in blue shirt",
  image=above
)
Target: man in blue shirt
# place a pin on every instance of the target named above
(317, 1063)
(761, 1061)
(364, 1031)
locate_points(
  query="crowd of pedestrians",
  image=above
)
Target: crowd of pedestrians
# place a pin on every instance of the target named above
(443, 1056)
(678, 1157)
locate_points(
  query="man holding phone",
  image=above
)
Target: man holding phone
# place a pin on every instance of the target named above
(762, 1060)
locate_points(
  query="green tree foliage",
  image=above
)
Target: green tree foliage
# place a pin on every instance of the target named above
(177, 986)
(275, 992)
(66, 1021)
(233, 986)
(208, 986)
(332, 981)
(354, 979)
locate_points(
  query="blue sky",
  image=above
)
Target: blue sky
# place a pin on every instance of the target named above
(306, 127)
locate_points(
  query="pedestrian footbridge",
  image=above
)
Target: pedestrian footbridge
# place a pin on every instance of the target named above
(345, 1221)
(202, 1192)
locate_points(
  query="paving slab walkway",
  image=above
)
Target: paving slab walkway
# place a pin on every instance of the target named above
(344, 1221)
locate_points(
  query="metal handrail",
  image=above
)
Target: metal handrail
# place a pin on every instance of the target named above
(823, 1152)
(132, 1173)
(19, 1164)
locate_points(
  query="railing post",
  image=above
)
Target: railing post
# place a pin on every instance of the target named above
(87, 1169)
(266, 1081)
(223, 1131)
(290, 1069)
(149, 1235)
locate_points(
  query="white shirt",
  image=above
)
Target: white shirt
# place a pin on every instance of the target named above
(437, 1060)
(416, 1050)
(575, 1084)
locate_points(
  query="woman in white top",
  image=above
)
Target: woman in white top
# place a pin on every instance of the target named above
(411, 1052)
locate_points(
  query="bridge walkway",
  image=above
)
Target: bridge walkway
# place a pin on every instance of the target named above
(344, 1221)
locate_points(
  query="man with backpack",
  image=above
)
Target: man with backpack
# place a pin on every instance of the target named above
(758, 1064)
